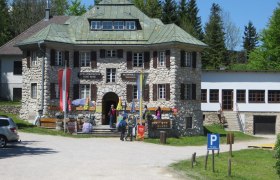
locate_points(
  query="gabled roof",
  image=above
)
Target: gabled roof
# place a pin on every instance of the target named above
(77, 29)
(10, 49)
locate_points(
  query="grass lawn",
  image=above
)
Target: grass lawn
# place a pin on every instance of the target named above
(250, 164)
(202, 140)
(7, 103)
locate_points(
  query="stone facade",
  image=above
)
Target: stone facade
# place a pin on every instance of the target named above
(175, 76)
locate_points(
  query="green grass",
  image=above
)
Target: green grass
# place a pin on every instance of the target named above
(202, 140)
(7, 103)
(250, 164)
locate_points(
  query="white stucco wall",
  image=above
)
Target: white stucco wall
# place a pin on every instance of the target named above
(242, 81)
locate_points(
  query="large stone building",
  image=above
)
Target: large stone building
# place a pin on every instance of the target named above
(105, 48)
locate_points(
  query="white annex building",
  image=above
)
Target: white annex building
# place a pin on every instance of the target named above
(247, 101)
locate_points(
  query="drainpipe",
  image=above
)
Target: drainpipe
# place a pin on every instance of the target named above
(43, 76)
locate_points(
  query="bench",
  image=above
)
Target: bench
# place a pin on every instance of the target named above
(48, 123)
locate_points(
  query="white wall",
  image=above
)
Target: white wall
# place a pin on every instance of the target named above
(241, 80)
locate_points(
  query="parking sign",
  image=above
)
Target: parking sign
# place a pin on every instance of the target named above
(213, 141)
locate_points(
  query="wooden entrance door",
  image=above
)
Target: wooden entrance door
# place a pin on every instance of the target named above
(227, 99)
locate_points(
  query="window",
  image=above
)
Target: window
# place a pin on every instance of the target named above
(118, 25)
(256, 96)
(273, 96)
(58, 58)
(4, 122)
(138, 59)
(135, 92)
(161, 91)
(188, 92)
(162, 59)
(34, 60)
(241, 96)
(96, 25)
(203, 95)
(130, 25)
(56, 89)
(84, 59)
(84, 91)
(107, 25)
(214, 95)
(111, 75)
(188, 59)
(34, 90)
(17, 68)
(189, 123)
(17, 94)
(111, 54)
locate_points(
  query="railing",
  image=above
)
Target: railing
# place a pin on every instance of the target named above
(239, 118)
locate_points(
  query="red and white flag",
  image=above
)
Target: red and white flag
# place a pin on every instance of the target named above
(64, 76)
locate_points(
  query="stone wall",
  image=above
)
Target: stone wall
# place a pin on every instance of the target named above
(175, 75)
(10, 109)
(210, 118)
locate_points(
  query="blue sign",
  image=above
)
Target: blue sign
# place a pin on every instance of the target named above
(213, 141)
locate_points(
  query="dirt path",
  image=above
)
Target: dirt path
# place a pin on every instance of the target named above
(52, 157)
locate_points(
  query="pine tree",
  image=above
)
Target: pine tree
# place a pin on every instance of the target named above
(59, 7)
(169, 12)
(5, 33)
(194, 20)
(140, 4)
(250, 38)
(76, 8)
(214, 54)
(153, 8)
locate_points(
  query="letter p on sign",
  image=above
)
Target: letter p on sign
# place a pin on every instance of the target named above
(213, 138)
(213, 141)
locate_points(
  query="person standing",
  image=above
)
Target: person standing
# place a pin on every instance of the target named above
(158, 113)
(145, 110)
(112, 114)
(122, 128)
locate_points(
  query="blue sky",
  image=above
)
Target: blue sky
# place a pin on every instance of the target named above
(240, 11)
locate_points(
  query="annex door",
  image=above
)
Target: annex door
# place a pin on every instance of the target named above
(108, 99)
(264, 124)
(227, 99)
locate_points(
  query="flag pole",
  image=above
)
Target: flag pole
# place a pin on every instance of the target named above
(64, 98)
(141, 99)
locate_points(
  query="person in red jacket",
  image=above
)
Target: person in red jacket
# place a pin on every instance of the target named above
(112, 115)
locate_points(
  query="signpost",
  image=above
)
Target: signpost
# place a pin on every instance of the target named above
(213, 143)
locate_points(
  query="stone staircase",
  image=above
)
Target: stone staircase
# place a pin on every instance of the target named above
(232, 122)
(103, 131)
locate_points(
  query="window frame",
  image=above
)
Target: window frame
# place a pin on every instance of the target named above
(189, 122)
(274, 97)
(214, 95)
(162, 59)
(111, 75)
(34, 91)
(96, 26)
(84, 59)
(136, 59)
(116, 25)
(241, 96)
(256, 96)
(161, 91)
(34, 58)
(111, 53)
(84, 91)
(134, 92)
(188, 59)
(58, 60)
(107, 27)
(130, 25)
(17, 68)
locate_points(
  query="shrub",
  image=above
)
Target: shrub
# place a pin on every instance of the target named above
(277, 155)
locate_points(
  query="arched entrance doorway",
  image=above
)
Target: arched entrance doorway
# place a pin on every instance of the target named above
(108, 99)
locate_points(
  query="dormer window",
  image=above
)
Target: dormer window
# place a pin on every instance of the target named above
(112, 25)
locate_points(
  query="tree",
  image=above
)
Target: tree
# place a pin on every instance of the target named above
(250, 38)
(139, 4)
(59, 7)
(5, 33)
(214, 54)
(169, 12)
(267, 56)
(153, 8)
(76, 8)
(232, 32)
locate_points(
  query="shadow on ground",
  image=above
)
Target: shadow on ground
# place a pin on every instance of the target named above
(20, 149)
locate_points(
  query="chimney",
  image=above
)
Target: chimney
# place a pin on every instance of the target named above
(47, 11)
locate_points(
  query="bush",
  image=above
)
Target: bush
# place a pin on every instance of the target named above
(277, 155)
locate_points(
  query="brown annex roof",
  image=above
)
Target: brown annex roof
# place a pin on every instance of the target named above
(9, 49)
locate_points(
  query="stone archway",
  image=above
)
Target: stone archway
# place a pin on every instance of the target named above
(107, 100)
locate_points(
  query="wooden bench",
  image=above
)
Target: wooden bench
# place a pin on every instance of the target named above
(48, 123)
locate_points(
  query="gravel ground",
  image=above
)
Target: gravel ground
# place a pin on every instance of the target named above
(53, 157)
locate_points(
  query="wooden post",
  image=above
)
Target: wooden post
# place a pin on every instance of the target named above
(194, 154)
(230, 150)
(206, 160)
(192, 160)
(229, 167)
(162, 137)
(213, 161)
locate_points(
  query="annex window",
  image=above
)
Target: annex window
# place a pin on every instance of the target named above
(84, 91)
(118, 25)
(162, 59)
(111, 53)
(241, 96)
(34, 90)
(107, 25)
(58, 61)
(161, 91)
(34, 59)
(189, 123)
(204, 95)
(135, 92)
(138, 59)
(188, 59)
(110, 75)
(130, 25)
(17, 68)
(214, 95)
(85, 59)
(273, 96)
(96, 25)
(256, 96)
